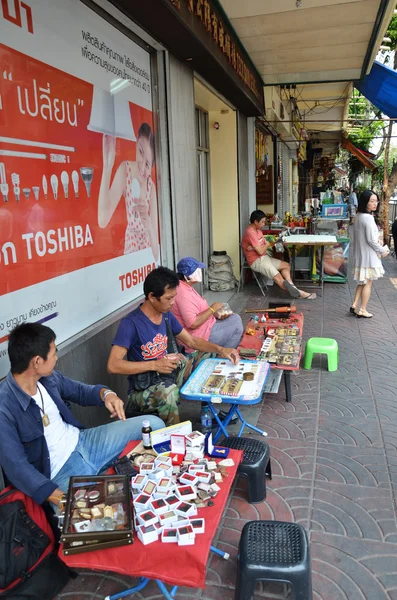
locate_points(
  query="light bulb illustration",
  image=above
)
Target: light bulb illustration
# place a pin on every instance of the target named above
(65, 183)
(54, 186)
(36, 191)
(87, 174)
(45, 186)
(15, 182)
(3, 182)
(26, 193)
(136, 189)
(75, 180)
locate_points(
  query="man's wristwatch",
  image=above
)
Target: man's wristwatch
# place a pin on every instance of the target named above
(57, 499)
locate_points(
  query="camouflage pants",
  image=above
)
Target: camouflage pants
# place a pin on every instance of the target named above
(163, 398)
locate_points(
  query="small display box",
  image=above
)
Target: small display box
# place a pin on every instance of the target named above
(98, 514)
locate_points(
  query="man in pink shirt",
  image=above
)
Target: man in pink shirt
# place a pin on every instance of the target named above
(194, 313)
(255, 247)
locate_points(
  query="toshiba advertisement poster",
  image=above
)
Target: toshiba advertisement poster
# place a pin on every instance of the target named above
(78, 198)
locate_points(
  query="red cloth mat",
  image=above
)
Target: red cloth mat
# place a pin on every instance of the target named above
(173, 564)
(255, 341)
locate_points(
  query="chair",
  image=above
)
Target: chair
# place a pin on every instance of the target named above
(326, 346)
(262, 281)
(273, 551)
(255, 465)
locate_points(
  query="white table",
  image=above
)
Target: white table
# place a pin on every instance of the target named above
(310, 240)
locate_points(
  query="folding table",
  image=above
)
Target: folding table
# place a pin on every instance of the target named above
(310, 240)
(251, 392)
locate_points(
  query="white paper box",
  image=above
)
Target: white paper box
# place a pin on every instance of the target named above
(185, 509)
(148, 534)
(172, 500)
(169, 535)
(186, 535)
(146, 468)
(142, 503)
(163, 459)
(188, 479)
(147, 518)
(168, 518)
(139, 481)
(196, 438)
(198, 525)
(159, 506)
(149, 488)
(186, 492)
(203, 476)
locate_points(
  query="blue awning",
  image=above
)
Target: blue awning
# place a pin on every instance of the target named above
(380, 88)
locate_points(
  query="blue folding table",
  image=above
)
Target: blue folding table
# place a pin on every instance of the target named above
(250, 393)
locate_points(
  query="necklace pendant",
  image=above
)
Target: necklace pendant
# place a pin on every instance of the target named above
(45, 419)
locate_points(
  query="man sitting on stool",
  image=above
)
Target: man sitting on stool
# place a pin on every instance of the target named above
(41, 443)
(255, 247)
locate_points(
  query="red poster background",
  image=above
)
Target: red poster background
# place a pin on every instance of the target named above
(30, 215)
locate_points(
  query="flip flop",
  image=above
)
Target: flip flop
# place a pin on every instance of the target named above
(291, 289)
(312, 296)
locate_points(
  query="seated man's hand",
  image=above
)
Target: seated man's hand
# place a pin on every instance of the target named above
(166, 365)
(231, 354)
(115, 406)
(216, 306)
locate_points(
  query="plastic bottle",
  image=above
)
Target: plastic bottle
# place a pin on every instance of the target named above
(146, 430)
(205, 418)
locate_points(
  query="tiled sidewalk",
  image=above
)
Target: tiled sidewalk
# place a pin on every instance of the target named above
(334, 460)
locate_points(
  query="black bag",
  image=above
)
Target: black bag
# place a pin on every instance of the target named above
(142, 381)
(30, 568)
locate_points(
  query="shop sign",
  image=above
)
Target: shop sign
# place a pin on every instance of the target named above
(219, 35)
(78, 211)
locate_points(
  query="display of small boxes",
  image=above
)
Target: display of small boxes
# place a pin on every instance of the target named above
(159, 506)
(110, 525)
(185, 535)
(203, 476)
(185, 509)
(169, 535)
(168, 518)
(146, 518)
(196, 438)
(186, 492)
(178, 448)
(148, 534)
(198, 525)
(139, 481)
(141, 503)
(188, 479)
(146, 468)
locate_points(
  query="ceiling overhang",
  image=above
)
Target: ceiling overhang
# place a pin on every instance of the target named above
(321, 41)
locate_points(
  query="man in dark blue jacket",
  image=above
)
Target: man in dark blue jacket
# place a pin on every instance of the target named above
(41, 444)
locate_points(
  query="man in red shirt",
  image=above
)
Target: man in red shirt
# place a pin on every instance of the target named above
(255, 247)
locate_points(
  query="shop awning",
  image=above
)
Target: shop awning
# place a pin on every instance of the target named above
(380, 88)
(362, 157)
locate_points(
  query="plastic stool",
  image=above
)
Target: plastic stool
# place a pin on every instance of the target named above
(321, 346)
(273, 551)
(255, 465)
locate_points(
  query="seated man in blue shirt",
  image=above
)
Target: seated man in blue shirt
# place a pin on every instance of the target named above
(146, 337)
(41, 444)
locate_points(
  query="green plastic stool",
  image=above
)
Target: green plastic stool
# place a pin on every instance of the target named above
(321, 346)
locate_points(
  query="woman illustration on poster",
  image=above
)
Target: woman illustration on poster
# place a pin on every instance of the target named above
(133, 181)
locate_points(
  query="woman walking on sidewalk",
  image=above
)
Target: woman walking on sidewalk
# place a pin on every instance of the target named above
(366, 253)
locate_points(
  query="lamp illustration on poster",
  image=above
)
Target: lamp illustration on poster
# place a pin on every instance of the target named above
(110, 114)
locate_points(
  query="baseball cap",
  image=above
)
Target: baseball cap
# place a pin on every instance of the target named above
(188, 265)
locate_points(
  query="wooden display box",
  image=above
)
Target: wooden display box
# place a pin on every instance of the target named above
(98, 513)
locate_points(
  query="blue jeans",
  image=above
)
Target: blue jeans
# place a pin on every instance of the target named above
(98, 447)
